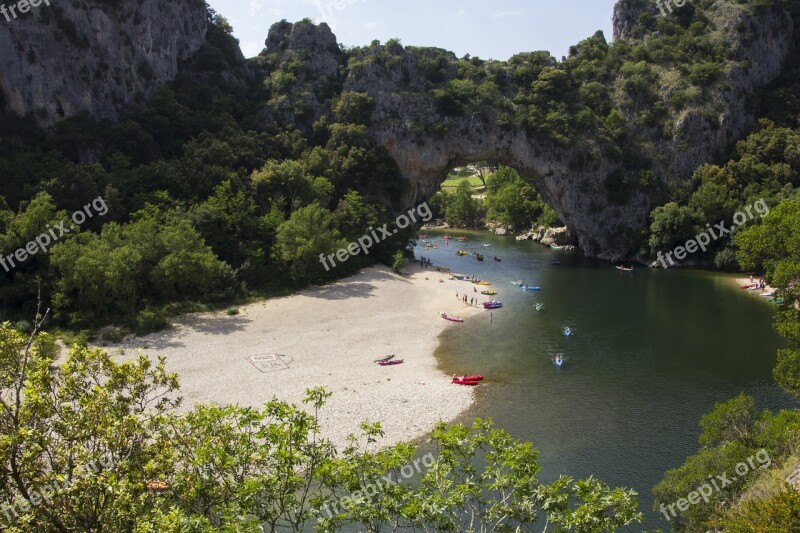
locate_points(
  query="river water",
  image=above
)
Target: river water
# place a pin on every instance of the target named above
(652, 352)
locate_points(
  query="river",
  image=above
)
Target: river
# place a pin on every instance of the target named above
(652, 351)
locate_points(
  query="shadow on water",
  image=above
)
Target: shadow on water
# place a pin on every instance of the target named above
(652, 352)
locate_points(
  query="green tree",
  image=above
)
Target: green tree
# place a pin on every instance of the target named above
(462, 209)
(774, 245)
(399, 261)
(309, 233)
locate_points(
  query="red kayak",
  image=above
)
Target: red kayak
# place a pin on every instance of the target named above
(474, 378)
(452, 318)
(752, 285)
(462, 381)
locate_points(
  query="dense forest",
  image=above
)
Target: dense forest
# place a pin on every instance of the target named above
(207, 197)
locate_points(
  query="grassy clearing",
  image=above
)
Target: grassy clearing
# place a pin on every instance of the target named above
(452, 182)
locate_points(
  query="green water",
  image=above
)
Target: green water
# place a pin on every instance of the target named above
(652, 352)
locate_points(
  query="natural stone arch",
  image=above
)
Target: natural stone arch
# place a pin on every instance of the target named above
(578, 195)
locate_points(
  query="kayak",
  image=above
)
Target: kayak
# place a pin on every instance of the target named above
(387, 358)
(488, 293)
(568, 332)
(624, 269)
(556, 263)
(474, 378)
(498, 259)
(752, 285)
(556, 247)
(530, 288)
(559, 361)
(539, 307)
(492, 305)
(462, 381)
(518, 283)
(391, 362)
(462, 253)
(452, 318)
(484, 283)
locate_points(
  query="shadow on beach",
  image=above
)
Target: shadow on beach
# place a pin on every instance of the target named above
(350, 288)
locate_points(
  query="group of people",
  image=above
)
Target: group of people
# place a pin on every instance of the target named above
(760, 284)
(468, 300)
(425, 262)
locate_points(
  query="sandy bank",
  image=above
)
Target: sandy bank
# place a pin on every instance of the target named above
(327, 337)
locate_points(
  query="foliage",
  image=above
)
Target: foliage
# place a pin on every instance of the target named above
(775, 515)
(462, 210)
(775, 246)
(512, 202)
(243, 468)
(399, 261)
(731, 433)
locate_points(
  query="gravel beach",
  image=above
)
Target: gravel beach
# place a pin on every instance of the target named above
(329, 337)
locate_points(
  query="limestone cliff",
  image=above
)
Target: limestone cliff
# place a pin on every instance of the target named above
(100, 55)
(94, 55)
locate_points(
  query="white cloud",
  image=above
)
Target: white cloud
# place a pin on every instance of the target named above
(503, 14)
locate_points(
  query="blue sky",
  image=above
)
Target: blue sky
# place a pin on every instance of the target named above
(494, 29)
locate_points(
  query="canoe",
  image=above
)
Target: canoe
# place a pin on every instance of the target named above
(452, 318)
(489, 293)
(391, 363)
(462, 381)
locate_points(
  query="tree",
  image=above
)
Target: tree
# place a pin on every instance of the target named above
(775, 246)
(80, 439)
(399, 261)
(462, 209)
(309, 233)
(95, 445)
(774, 515)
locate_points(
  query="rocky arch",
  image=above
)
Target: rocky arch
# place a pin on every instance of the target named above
(576, 192)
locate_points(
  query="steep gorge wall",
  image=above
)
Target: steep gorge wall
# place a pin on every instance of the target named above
(94, 55)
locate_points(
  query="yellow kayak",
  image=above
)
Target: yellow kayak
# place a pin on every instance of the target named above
(484, 283)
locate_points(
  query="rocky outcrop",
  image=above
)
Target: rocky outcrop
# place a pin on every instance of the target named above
(98, 56)
(572, 179)
(94, 55)
(313, 57)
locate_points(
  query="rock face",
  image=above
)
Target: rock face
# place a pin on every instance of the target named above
(94, 55)
(99, 55)
(426, 145)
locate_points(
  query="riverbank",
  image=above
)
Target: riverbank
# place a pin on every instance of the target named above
(330, 337)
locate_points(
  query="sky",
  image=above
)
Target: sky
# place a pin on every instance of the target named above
(493, 29)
